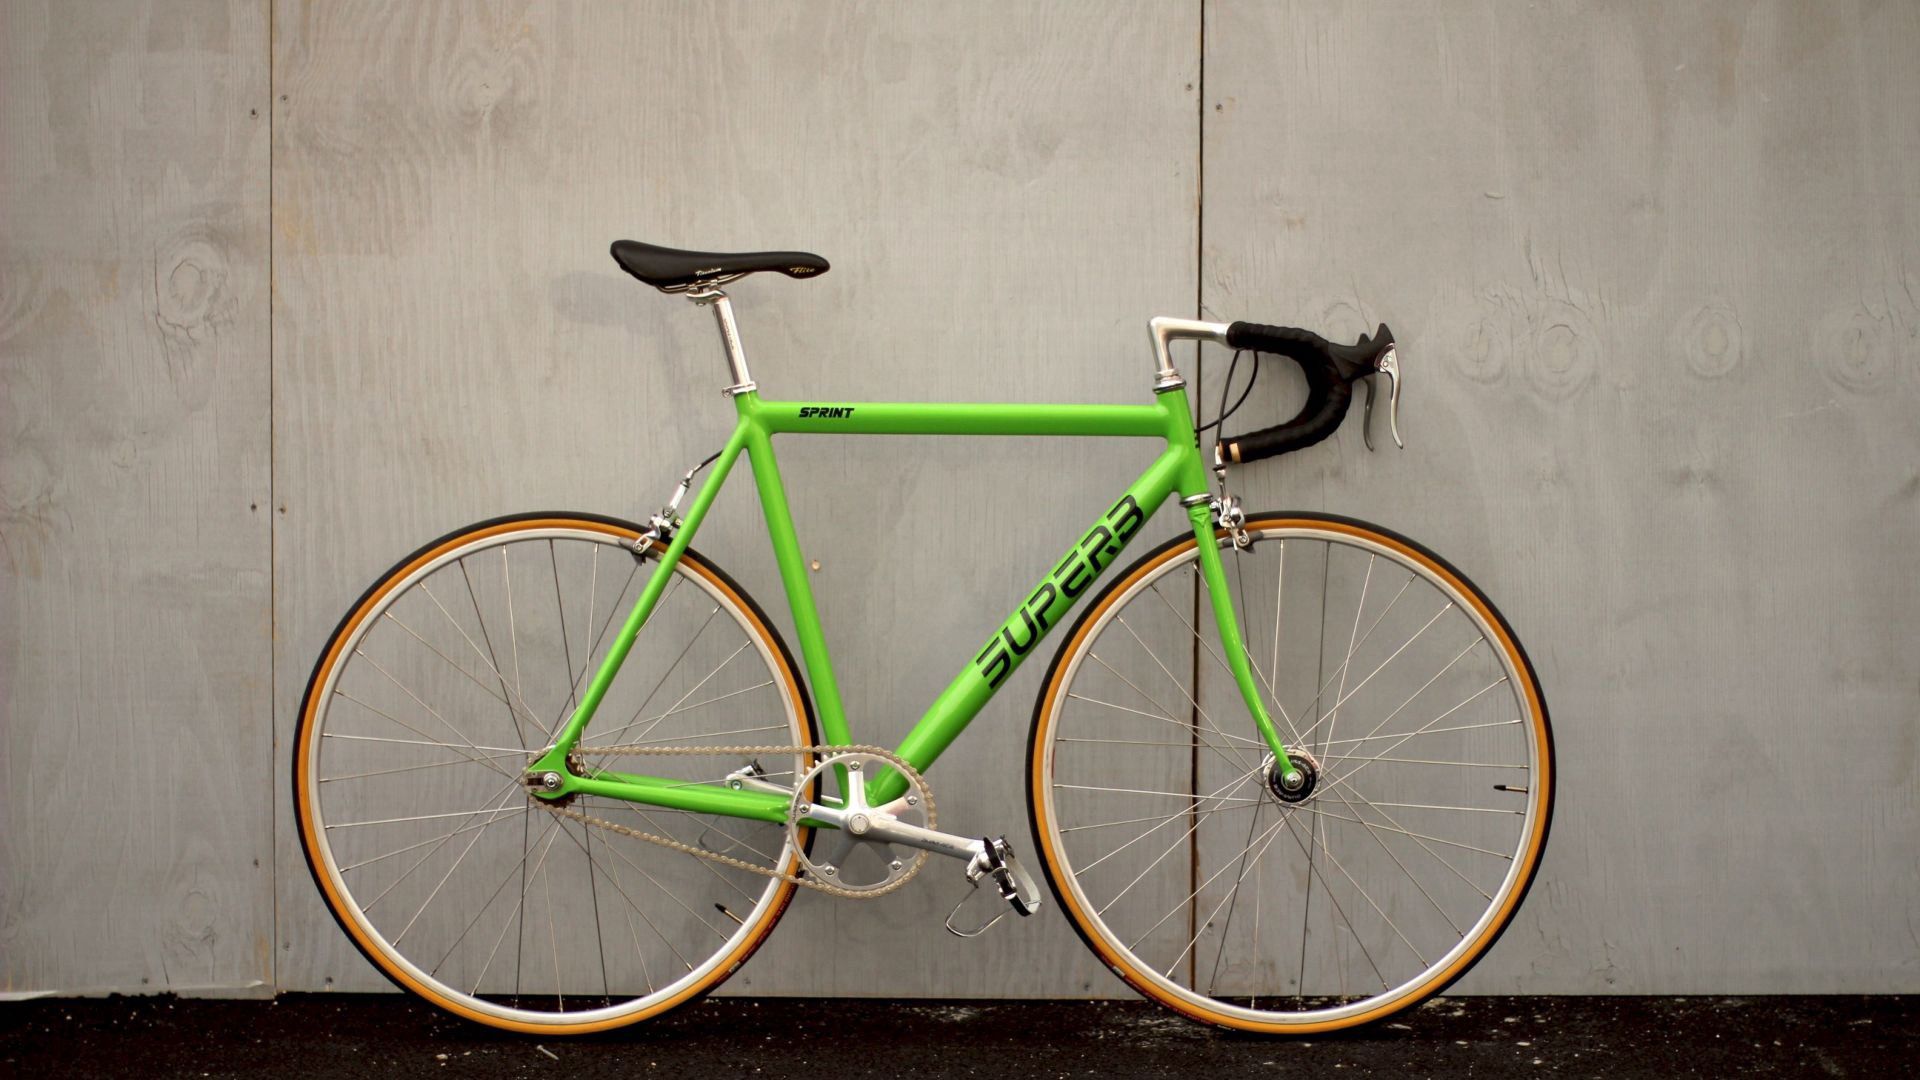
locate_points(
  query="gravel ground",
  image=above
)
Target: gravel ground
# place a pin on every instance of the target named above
(337, 1035)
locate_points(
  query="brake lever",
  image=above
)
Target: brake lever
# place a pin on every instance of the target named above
(1389, 366)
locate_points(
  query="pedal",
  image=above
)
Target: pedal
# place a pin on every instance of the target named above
(996, 860)
(1016, 885)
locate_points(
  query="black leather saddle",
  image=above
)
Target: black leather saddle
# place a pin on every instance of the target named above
(672, 270)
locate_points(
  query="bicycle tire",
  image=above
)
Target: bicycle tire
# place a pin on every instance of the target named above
(495, 1007)
(1309, 1012)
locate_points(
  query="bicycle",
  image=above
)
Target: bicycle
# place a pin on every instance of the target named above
(450, 791)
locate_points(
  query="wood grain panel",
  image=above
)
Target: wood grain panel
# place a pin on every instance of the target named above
(1007, 193)
(1652, 270)
(135, 668)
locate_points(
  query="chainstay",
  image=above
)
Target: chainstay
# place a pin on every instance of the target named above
(914, 779)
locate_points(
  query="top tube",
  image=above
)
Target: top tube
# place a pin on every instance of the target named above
(932, 418)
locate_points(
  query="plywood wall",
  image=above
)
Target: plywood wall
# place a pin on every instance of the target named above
(1654, 269)
(287, 289)
(1005, 195)
(135, 606)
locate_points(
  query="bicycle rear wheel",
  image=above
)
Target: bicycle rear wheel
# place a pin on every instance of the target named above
(445, 681)
(1204, 884)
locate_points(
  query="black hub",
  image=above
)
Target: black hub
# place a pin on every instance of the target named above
(1277, 784)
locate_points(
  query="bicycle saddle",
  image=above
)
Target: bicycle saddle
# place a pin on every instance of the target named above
(672, 270)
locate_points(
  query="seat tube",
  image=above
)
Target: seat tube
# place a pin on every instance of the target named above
(793, 575)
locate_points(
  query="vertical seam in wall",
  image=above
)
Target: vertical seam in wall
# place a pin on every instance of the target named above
(273, 558)
(1199, 372)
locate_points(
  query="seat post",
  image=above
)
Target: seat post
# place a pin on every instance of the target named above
(729, 337)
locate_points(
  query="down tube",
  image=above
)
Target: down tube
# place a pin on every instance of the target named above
(1046, 605)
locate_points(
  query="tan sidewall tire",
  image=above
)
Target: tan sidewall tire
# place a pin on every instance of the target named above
(330, 658)
(1046, 711)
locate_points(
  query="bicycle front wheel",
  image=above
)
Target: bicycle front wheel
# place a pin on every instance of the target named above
(1203, 882)
(446, 681)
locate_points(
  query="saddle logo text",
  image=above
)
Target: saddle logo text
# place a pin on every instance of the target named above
(826, 412)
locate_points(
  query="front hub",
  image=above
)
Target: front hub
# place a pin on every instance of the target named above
(1296, 786)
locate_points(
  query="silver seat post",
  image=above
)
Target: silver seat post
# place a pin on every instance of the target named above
(729, 336)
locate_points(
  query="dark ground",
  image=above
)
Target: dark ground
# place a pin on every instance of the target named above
(331, 1035)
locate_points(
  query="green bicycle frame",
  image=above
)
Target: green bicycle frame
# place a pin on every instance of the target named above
(1179, 470)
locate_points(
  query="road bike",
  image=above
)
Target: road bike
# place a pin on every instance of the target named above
(1287, 773)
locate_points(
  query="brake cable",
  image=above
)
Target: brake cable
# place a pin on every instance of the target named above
(1225, 387)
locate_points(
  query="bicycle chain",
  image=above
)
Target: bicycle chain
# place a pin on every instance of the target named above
(914, 780)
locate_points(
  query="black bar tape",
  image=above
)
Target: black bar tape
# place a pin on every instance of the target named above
(1329, 392)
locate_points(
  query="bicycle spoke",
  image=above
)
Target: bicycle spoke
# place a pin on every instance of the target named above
(1233, 904)
(547, 838)
(1265, 840)
(690, 708)
(1246, 644)
(1178, 685)
(1279, 594)
(1157, 716)
(444, 878)
(492, 658)
(1215, 656)
(477, 916)
(705, 735)
(671, 895)
(566, 648)
(600, 636)
(1362, 684)
(1327, 891)
(1425, 761)
(476, 757)
(1419, 840)
(1434, 731)
(705, 864)
(1429, 729)
(1421, 836)
(1333, 717)
(637, 910)
(513, 631)
(1340, 672)
(1191, 829)
(1183, 811)
(502, 750)
(1128, 742)
(416, 768)
(431, 840)
(1378, 910)
(1374, 835)
(1227, 753)
(464, 741)
(674, 709)
(416, 817)
(671, 668)
(593, 893)
(506, 795)
(523, 711)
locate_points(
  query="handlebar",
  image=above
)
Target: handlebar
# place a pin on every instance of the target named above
(1331, 371)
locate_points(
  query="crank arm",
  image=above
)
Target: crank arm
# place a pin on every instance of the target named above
(750, 779)
(871, 825)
